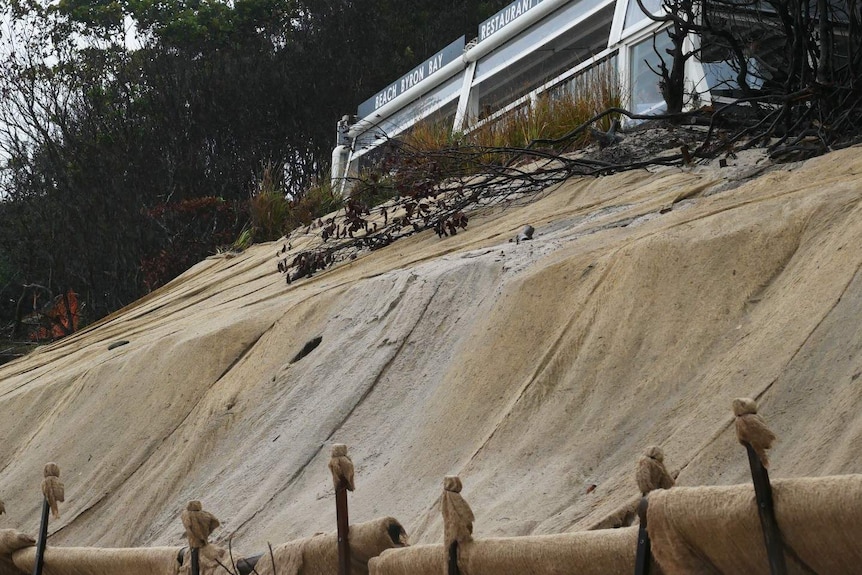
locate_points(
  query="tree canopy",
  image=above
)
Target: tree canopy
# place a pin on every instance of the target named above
(133, 131)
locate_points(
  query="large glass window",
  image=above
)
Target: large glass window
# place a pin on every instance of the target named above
(634, 14)
(441, 113)
(601, 78)
(424, 106)
(645, 59)
(533, 38)
(441, 96)
(761, 44)
(547, 60)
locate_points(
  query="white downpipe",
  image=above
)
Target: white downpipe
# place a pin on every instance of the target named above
(340, 156)
(349, 171)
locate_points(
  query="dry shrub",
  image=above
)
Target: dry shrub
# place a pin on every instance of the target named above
(557, 112)
(431, 134)
(273, 214)
(317, 201)
(268, 209)
(551, 116)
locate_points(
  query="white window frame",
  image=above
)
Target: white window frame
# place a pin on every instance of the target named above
(534, 95)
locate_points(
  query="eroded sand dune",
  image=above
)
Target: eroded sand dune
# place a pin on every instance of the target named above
(532, 371)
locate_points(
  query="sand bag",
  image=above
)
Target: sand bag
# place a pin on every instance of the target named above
(11, 541)
(318, 555)
(604, 552)
(601, 552)
(212, 560)
(717, 529)
(415, 560)
(100, 561)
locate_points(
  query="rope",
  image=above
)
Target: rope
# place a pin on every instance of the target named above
(53, 488)
(341, 467)
(651, 471)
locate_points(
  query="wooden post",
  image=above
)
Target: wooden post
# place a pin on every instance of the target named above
(343, 530)
(43, 537)
(644, 556)
(341, 468)
(766, 510)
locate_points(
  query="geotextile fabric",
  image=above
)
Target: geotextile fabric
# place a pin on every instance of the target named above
(645, 302)
(700, 530)
(457, 516)
(199, 524)
(318, 555)
(11, 541)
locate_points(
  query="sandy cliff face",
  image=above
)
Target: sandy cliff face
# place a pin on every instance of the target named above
(532, 370)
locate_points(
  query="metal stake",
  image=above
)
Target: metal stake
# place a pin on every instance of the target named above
(644, 556)
(766, 510)
(196, 566)
(246, 565)
(343, 530)
(43, 538)
(453, 559)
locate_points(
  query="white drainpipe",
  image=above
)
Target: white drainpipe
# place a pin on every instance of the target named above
(340, 156)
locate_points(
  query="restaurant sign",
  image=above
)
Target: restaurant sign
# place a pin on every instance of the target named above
(505, 17)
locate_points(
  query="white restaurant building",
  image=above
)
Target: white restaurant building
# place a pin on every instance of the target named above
(528, 48)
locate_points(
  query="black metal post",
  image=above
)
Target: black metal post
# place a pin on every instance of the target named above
(453, 559)
(643, 558)
(196, 566)
(43, 538)
(766, 510)
(343, 530)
